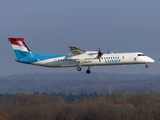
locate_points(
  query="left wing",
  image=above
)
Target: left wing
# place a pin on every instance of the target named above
(76, 51)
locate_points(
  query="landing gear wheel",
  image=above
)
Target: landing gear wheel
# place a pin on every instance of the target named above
(79, 68)
(146, 66)
(88, 71)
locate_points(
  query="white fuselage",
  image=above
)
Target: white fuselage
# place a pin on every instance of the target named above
(77, 57)
(89, 59)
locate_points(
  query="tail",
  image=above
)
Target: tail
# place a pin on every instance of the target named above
(21, 50)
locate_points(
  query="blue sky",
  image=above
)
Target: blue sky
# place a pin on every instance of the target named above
(51, 26)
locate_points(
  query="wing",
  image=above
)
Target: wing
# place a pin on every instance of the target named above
(76, 51)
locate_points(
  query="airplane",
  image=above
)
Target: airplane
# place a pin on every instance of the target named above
(77, 58)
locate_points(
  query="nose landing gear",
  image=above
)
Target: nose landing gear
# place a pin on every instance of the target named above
(146, 65)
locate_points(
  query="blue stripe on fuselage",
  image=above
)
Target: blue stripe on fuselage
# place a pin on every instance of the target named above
(45, 56)
(28, 57)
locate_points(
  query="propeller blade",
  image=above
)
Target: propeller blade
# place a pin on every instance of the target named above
(99, 54)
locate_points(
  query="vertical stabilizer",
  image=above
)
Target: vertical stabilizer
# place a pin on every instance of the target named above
(21, 50)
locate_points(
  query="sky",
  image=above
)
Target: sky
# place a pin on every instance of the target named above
(50, 26)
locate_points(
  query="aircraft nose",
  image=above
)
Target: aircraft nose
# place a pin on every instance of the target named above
(150, 60)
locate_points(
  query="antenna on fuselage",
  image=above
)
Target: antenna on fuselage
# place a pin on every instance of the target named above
(108, 52)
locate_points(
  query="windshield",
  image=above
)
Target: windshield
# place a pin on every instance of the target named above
(141, 55)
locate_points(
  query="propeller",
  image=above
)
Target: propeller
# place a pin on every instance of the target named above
(99, 54)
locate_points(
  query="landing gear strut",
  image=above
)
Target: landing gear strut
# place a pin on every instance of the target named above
(88, 70)
(146, 66)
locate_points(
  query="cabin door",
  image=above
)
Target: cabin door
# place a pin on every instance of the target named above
(123, 59)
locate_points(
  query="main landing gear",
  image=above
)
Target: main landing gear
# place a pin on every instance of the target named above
(146, 66)
(79, 68)
(88, 71)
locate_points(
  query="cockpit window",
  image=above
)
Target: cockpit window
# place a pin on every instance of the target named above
(141, 55)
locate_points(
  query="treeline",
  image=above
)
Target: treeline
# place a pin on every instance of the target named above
(35, 82)
(115, 106)
(70, 98)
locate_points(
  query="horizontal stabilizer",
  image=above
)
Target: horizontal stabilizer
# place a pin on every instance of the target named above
(16, 39)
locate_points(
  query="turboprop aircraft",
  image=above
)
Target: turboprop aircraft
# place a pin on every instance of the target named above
(77, 58)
